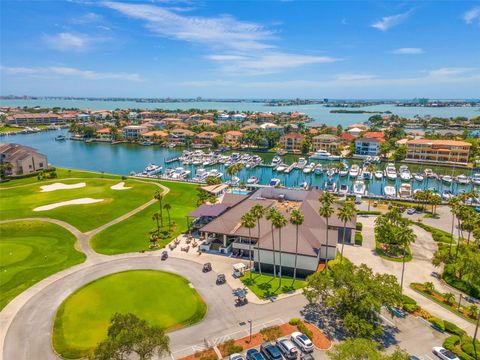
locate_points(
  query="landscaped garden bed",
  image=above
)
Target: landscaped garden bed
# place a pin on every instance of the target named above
(266, 286)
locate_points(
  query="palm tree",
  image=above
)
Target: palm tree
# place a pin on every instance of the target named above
(453, 204)
(345, 213)
(279, 222)
(326, 211)
(248, 221)
(449, 298)
(271, 214)
(405, 236)
(159, 197)
(258, 212)
(156, 217)
(167, 208)
(296, 218)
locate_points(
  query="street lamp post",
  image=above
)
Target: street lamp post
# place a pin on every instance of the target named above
(460, 302)
(250, 323)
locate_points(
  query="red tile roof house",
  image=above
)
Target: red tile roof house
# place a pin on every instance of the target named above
(232, 138)
(369, 144)
(180, 136)
(292, 141)
(223, 232)
(204, 139)
(104, 134)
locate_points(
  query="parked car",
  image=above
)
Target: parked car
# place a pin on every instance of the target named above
(236, 357)
(413, 357)
(306, 356)
(254, 354)
(444, 354)
(288, 348)
(271, 352)
(411, 211)
(207, 267)
(164, 255)
(221, 279)
(477, 208)
(302, 341)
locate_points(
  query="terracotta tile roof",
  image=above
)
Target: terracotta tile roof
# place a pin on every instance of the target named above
(233, 133)
(439, 142)
(104, 131)
(374, 135)
(293, 135)
(347, 136)
(158, 133)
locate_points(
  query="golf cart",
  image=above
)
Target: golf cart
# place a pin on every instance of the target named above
(239, 270)
(221, 279)
(207, 267)
(164, 255)
(241, 300)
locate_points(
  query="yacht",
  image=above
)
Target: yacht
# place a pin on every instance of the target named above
(234, 181)
(391, 172)
(60, 138)
(334, 157)
(429, 173)
(463, 179)
(405, 190)
(330, 186)
(354, 170)
(215, 173)
(152, 169)
(275, 161)
(302, 162)
(330, 172)
(405, 173)
(390, 191)
(343, 190)
(180, 173)
(359, 187)
(200, 175)
(418, 177)
(252, 180)
(281, 167)
(321, 155)
(476, 179)
(274, 182)
(378, 174)
(447, 179)
(447, 195)
(343, 171)
(318, 169)
(309, 168)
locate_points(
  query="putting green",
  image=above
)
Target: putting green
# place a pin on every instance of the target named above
(30, 252)
(161, 298)
(19, 202)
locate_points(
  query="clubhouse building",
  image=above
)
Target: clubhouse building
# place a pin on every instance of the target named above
(219, 226)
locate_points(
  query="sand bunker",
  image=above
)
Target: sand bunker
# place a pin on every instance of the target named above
(120, 186)
(81, 201)
(61, 186)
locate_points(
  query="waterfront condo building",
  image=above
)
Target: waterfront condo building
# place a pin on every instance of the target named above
(35, 119)
(22, 159)
(292, 141)
(180, 136)
(438, 151)
(134, 132)
(219, 225)
(369, 144)
(205, 139)
(232, 138)
(327, 142)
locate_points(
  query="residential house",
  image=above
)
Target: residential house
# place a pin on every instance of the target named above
(205, 139)
(134, 132)
(23, 159)
(223, 232)
(104, 134)
(328, 142)
(438, 151)
(206, 122)
(369, 144)
(292, 141)
(180, 136)
(155, 136)
(271, 127)
(232, 138)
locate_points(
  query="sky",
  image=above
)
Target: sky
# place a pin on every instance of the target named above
(241, 49)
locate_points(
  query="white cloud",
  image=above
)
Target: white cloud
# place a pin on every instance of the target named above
(66, 41)
(239, 46)
(449, 72)
(354, 77)
(471, 15)
(408, 51)
(70, 71)
(388, 22)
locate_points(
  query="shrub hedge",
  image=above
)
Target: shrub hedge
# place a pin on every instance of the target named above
(358, 238)
(438, 323)
(359, 226)
(453, 329)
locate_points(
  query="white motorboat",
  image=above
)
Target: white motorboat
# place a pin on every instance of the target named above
(343, 171)
(330, 186)
(429, 173)
(354, 171)
(476, 179)
(390, 191)
(463, 179)
(418, 177)
(405, 190)
(321, 155)
(302, 162)
(274, 182)
(281, 167)
(391, 172)
(378, 175)
(234, 181)
(447, 179)
(200, 175)
(405, 173)
(252, 180)
(359, 187)
(330, 172)
(318, 169)
(334, 157)
(309, 168)
(215, 173)
(343, 189)
(275, 161)
(152, 169)
(447, 195)
(179, 173)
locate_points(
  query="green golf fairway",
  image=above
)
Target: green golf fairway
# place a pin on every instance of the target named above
(31, 251)
(161, 298)
(20, 202)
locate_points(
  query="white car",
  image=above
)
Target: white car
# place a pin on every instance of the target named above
(302, 341)
(236, 357)
(444, 354)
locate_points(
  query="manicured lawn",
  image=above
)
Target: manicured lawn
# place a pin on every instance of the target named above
(132, 234)
(161, 298)
(380, 252)
(7, 128)
(30, 252)
(265, 285)
(19, 202)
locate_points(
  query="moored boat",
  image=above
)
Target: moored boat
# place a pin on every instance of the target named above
(390, 191)
(359, 187)
(274, 182)
(405, 190)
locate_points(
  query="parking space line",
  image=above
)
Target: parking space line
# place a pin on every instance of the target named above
(388, 321)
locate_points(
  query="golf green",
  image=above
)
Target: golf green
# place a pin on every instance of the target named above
(161, 298)
(20, 202)
(31, 251)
